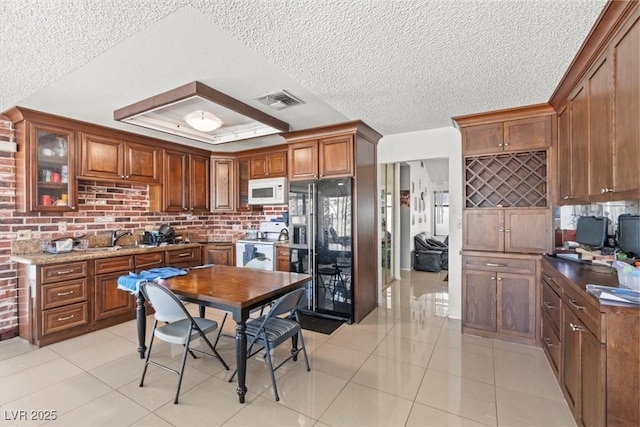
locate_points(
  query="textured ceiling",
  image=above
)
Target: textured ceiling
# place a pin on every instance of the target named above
(400, 66)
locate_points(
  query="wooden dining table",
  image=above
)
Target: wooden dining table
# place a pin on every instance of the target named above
(233, 289)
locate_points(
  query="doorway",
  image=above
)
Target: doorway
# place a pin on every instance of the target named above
(388, 222)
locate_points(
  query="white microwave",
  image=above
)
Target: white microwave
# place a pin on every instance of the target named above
(268, 191)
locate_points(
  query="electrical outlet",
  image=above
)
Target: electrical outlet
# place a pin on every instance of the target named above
(23, 235)
(62, 227)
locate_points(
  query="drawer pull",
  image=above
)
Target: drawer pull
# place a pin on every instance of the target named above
(576, 328)
(185, 254)
(62, 319)
(574, 303)
(548, 306)
(547, 342)
(491, 264)
(64, 272)
(62, 294)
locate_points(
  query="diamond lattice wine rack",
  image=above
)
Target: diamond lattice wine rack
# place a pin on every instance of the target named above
(506, 180)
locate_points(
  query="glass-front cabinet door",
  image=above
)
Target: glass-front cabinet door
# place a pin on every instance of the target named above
(52, 168)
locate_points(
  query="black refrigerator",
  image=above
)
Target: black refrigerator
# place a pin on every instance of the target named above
(320, 245)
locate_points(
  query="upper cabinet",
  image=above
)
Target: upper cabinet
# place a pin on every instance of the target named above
(45, 173)
(269, 165)
(114, 159)
(509, 135)
(222, 175)
(186, 186)
(598, 149)
(330, 157)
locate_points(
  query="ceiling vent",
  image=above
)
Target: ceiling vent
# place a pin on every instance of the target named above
(279, 100)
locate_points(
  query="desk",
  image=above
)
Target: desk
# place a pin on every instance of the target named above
(233, 289)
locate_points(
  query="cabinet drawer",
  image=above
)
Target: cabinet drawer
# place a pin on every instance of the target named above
(58, 319)
(60, 272)
(64, 293)
(184, 255)
(587, 313)
(551, 306)
(108, 265)
(146, 261)
(551, 344)
(499, 265)
(552, 277)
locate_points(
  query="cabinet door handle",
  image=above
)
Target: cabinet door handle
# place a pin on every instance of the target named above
(499, 279)
(500, 145)
(576, 328)
(122, 176)
(62, 294)
(506, 143)
(493, 278)
(64, 272)
(501, 230)
(507, 230)
(567, 197)
(574, 303)
(126, 177)
(62, 319)
(606, 190)
(549, 306)
(547, 342)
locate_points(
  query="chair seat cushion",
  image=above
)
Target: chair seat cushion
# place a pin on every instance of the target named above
(177, 332)
(275, 328)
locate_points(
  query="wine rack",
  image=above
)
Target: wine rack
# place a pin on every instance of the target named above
(507, 180)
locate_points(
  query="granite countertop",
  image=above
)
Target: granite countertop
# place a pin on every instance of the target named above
(93, 253)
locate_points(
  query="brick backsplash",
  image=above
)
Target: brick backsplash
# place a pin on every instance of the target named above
(101, 207)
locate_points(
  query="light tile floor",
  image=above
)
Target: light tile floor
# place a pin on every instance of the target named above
(406, 364)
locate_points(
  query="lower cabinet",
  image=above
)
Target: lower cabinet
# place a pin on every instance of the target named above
(219, 253)
(593, 349)
(282, 258)
(183, 257)
(499, 297)
(111, 303)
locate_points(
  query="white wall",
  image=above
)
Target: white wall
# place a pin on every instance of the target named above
(432, 144)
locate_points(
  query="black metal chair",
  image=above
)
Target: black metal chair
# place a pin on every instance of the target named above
(269, 331)
(180, 328)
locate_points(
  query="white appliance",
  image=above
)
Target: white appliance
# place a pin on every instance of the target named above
(260, 253)
(268, 191)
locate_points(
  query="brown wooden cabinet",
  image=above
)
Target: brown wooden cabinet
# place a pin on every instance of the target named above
(507, 230)
(219, 253)
(186, 186)
(269, 165)
(104, 157)
(499, 297)
(110, 303)
(626, 110)
(594, 349)
(183, 257)
(529, 133)
(242, 184)
(45, 162)
(282, 258)
(223, 177)
(322, 158)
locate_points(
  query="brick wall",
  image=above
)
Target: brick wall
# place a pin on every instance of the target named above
(101, 207)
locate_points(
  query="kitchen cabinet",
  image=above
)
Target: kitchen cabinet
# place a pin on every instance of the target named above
(499, 295)
(331, 157)
(529, 133)
(57, 306)
(219, 253)
(507, 230)
(223, 177)
(45, 163)
(242, 184)
(183, 257)
(110, 303)
(626, 110)
(111, 158)
(186, 186)
(282, 258)
(269, 165)
(600, 156)
(593, 348)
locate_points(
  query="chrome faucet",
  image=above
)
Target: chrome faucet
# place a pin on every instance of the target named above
(115, 236)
